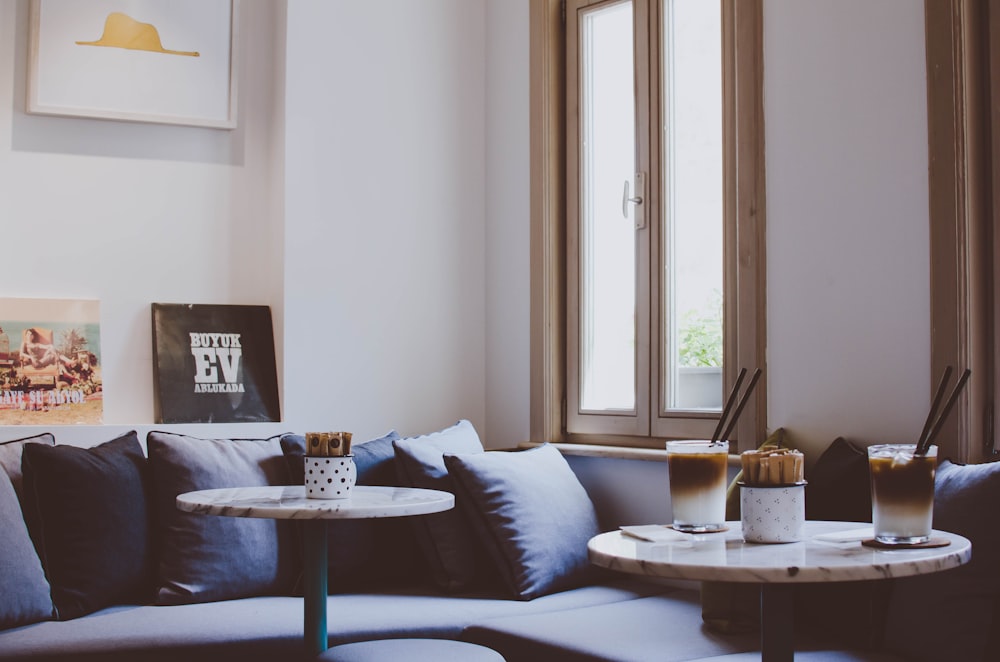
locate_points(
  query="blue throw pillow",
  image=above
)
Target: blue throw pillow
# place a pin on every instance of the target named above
(203, 558)
(364, 553)
(22, 581)
(533, 515)
(92, 512)
(950, 615)
(455, 556)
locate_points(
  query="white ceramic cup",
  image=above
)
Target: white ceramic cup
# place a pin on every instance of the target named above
(330, 477)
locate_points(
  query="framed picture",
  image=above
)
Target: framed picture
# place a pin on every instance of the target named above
(214, 364)
(50, 362)
(165, 61)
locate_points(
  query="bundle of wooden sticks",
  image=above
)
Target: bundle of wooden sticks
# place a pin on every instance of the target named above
(774, 466)
(328, 444)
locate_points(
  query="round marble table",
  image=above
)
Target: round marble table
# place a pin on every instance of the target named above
(829, 552)
(291, 503)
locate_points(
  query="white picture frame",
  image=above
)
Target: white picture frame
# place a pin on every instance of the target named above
(162, 61)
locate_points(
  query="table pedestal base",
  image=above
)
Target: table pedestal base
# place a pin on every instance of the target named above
(777, 622)
(315, 587)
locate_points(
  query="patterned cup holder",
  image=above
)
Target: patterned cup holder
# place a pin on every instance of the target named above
(330, 477)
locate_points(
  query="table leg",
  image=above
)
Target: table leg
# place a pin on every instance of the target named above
(314, 585)
(777, 622)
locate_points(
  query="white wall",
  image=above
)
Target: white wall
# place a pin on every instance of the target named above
(380, 205)
(385, 215)
(132, 213)
(848, 320)
(508, 272)
(352, 199)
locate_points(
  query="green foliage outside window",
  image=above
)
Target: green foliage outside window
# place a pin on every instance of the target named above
(700, 336)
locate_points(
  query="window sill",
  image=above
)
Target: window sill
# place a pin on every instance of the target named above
(615, 452)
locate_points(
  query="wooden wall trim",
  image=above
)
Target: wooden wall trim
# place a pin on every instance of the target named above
(547, 213)
(750, 209)
(958, 194)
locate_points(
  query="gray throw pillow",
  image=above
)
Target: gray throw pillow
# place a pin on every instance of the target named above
(22, 581)
(533, 515)
(950, 615)
(838, 487)
(206, 557)
(455, 555)
(10, 456)
(91, 509)
(10, 461)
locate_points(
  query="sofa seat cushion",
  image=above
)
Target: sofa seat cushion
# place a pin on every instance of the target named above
(431, 613)
(270, 627)
(266, 628)
(665, 628)
(811, 656)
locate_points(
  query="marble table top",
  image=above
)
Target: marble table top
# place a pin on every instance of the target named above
(837, 556)
(290, 502)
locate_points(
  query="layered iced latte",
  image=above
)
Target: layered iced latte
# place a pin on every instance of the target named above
(698, 484)
(902, 493)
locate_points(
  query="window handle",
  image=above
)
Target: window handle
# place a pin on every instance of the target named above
(640, 188)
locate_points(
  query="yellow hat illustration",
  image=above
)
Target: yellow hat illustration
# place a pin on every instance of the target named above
(122, 31)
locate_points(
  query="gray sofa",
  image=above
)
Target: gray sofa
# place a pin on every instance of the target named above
(239, 599)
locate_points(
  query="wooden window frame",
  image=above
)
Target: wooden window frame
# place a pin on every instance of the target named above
(745, 314)
(963, 106)
(635, 423)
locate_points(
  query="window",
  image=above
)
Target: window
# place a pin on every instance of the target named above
(647, 217)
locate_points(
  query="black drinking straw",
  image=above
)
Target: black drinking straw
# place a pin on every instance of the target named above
(942, 385)
(729, 405)
(922, 450)
(743, 402)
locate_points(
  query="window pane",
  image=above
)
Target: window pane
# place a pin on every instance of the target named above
(693, 197)
(607, 238)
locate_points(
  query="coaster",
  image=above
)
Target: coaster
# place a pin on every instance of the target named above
(698, 533)
(933, 542)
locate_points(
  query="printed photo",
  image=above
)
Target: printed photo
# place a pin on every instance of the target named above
(50, 362)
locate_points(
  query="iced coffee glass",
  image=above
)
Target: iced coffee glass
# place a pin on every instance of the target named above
(902, 493)
(698, 484)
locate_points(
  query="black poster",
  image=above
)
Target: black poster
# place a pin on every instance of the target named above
(214, 364)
